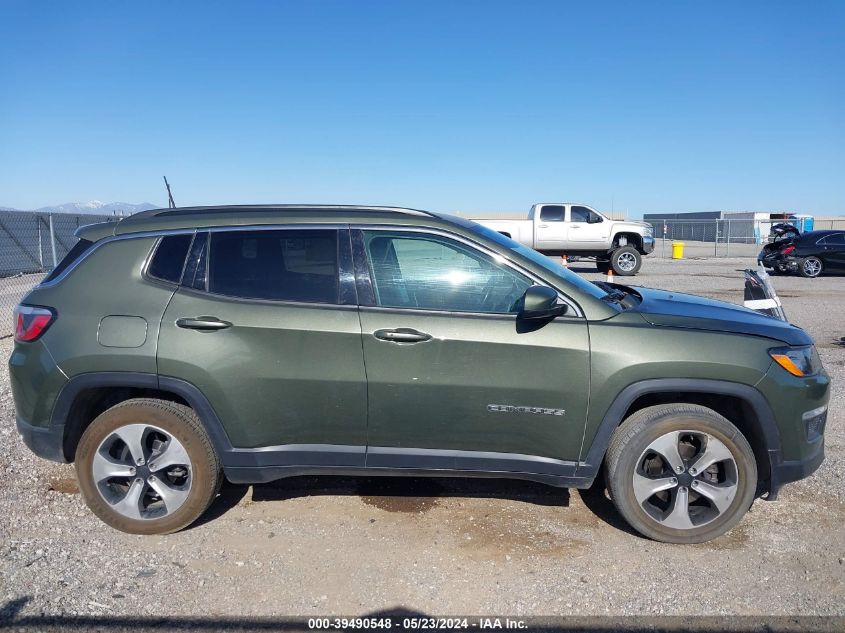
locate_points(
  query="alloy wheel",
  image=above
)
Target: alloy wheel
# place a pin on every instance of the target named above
(142, 471)
(812, 266)
(685, 479)
(626, 262)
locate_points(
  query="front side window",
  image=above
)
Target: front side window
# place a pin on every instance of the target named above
(552, 213)
(430, 272)
(583, 214)
(279, 265)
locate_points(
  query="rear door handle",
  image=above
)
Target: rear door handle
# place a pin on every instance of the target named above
(203, 323)
(402, 335)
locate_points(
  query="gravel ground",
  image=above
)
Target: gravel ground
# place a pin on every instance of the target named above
(355, 546)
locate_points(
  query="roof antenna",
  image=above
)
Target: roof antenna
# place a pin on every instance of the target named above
(170, 203)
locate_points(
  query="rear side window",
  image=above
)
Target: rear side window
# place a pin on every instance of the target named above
(552, 213)
(280, 265)
(74, 254)
(835, 239)
(169, 258)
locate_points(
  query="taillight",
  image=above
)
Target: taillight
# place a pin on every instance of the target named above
(788, 250)
(31, 322)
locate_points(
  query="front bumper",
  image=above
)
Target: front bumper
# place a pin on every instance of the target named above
(46, 442)
(784, 472)
(648, 244)
(801, 406)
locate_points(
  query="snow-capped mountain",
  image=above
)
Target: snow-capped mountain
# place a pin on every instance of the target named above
(94, 207)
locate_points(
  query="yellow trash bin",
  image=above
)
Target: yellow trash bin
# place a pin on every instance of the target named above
(677, 250)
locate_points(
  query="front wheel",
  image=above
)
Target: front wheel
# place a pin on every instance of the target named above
(680, 473)
(811, 267)
(626, 261)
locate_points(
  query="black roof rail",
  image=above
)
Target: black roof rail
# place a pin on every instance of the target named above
(203, 210)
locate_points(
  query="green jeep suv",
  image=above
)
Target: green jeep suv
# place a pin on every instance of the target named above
(179, 346)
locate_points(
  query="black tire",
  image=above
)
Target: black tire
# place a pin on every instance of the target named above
(203, 473)
(603, 266)
(626, 261)
(811, 267)
(628, 458)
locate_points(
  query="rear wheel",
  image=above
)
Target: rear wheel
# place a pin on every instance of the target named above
(811, 267)
(625, 261)
(147, 466)
(680, 473)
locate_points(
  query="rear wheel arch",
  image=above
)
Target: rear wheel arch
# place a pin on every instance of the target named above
(742, 405)
(86, 396)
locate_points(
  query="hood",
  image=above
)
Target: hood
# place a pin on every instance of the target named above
(675, 309)
(634, 224)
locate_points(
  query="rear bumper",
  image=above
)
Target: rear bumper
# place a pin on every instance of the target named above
(777, 260)
(45, 442)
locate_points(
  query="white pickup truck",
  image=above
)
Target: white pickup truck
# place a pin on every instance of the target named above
(580, 231)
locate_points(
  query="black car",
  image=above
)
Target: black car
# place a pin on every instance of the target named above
(809, 254)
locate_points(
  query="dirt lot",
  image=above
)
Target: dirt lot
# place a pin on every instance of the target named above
(356, 546)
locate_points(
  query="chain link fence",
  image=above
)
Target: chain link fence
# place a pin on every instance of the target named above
(31, 244)
(720, 238)
(710, 238)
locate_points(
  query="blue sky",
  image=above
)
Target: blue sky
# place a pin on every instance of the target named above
(645, 106)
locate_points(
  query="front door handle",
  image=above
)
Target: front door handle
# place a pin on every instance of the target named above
(203, 323)
(402, 335)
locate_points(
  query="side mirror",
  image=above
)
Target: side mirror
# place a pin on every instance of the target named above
(594, 219)
(540, 302)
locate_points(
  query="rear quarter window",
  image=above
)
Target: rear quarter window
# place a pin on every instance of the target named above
(169, 258)
(73, 255)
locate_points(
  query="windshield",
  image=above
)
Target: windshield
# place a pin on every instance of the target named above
(541, 260)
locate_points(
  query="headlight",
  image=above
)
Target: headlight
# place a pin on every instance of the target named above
(798, 361)
(649, 230)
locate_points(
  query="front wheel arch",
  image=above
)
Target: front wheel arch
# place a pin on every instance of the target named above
(754, 418)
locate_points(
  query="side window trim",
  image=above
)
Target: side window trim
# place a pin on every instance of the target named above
(347, 289)
(363, 278)
(364, 282)
(197, 255)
